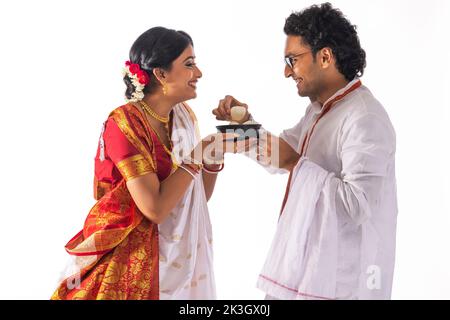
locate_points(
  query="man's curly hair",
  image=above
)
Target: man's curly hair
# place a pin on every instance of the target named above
(324, 26)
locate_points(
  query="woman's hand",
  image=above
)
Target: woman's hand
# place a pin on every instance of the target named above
(212, 148)
(223, 111)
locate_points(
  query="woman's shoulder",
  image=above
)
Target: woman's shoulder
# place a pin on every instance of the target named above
(129, 119)
(126, 110)
(128, 115)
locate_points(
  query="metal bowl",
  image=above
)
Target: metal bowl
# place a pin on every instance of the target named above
(245, 131)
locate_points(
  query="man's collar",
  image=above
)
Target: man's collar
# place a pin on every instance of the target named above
(318, 108)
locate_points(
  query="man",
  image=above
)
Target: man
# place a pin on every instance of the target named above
(336, 234)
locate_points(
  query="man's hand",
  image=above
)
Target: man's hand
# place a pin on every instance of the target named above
(270, 150)
(223, 111)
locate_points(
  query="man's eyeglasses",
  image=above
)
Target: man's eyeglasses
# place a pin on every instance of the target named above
(289, 60)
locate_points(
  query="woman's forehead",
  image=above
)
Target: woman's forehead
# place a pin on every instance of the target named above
(187, 53)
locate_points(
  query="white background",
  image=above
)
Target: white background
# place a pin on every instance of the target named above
(61, 75)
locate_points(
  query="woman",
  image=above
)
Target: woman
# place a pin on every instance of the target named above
(149, 234)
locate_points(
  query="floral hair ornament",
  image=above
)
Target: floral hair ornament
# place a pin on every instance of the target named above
(139, 79)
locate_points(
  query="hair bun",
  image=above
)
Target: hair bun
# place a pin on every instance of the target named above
(130, 87)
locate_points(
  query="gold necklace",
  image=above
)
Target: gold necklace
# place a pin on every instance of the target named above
(165, 121)
(150, 111)
(169, 152)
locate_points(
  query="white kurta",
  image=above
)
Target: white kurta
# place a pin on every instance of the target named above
(336, 236)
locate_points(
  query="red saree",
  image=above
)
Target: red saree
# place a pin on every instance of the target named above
(117, 251)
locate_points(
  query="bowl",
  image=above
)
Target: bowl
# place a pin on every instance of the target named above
(245, 131)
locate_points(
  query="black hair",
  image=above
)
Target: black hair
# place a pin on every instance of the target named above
(157, 47)
(324, 26)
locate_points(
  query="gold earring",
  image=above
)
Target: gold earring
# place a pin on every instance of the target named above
(165, 89)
